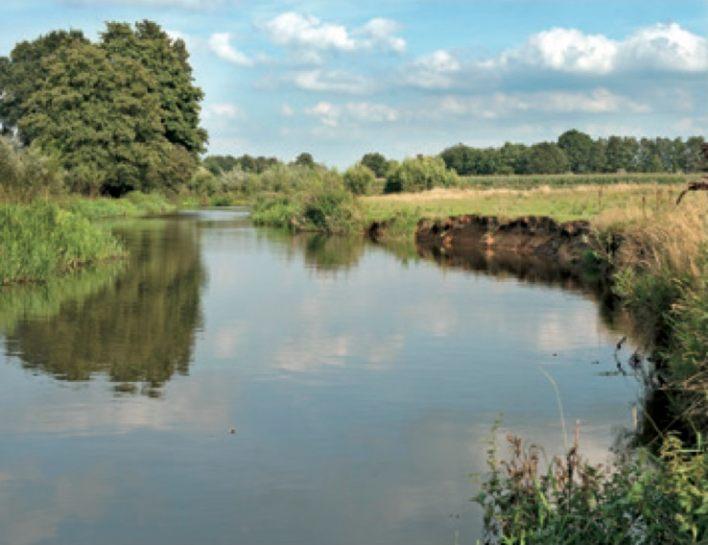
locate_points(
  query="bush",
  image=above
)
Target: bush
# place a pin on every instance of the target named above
(419, 174)
(359, 179)
(25, 173)
(315, 199)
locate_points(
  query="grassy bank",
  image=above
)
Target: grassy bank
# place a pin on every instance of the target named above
(403, 210)
(132, 205)
(40, 240)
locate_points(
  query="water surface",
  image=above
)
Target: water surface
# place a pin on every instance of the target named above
(360, 384)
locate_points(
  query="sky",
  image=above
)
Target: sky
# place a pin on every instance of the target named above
(340, 78)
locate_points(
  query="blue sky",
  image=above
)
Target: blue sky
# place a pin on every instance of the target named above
(403, 77)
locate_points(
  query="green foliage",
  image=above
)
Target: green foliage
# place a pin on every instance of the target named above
(219, 164)
(359, 179)
(26, 173)
(578, 148)
(305, 160)
(376, 162)
(317, 201)
(545, 158)
(418, 174)
(641, 499)
(584, 155)
(119, 115)
(40, 240)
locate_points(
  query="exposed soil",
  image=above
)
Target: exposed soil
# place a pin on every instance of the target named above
(561, 244)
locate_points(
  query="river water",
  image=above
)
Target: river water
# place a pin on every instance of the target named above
(235, 385)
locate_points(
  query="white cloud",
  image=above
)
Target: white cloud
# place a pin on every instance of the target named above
(433, 71)
(367, 111)
(294, 29)
(331, 81)
(380, 32)
(327, 113)
(220, 43)
(665, 46)
(563, 102)
(570, 50)
(659, 47)
(331, 114)
(286, 110)
(223, 110)
(311, 35)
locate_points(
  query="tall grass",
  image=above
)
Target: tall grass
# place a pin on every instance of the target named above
(134, 204)
(40, 240)
(640, 499)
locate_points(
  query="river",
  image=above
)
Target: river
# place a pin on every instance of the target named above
(236, 385)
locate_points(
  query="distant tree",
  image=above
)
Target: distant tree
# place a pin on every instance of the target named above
(376, 162)
(578, 148)
(305, 159)
(216, 164)
(545, 158)
(511, 158)
(419, 174)
(692, 156)
(598, 156)
(621, 154)
(458, 158)
(358, 179)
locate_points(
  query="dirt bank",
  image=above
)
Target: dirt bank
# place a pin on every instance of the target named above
(538, 237)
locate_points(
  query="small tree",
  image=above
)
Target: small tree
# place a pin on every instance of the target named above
(376, 162)
(359, 179)
(305, 159)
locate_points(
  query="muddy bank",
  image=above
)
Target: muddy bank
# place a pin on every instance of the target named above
(536, 238)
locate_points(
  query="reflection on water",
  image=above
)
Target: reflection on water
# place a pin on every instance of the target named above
(361, 386)
(138, 329)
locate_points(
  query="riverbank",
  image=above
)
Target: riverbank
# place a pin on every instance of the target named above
(44, 239)
(653, 255)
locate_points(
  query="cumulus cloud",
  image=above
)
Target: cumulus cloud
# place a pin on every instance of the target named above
(220, 43)
(311, 35)
(331, 81)
(564, 102)
(433, 71)
(659, 47)
(294, 29)
(331, 114)
(287, 111)
(223, 110)
(380, 32)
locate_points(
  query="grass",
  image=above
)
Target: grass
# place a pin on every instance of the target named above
(40, 240)
(530, 181)
(560, 203)
(135, 204)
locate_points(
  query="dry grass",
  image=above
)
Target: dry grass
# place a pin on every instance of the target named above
(562, 204)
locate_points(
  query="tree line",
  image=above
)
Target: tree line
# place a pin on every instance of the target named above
(120, 114)
(577, 152)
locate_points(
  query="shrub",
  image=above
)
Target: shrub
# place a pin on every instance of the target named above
(359, 179)
(640, 499)
(25, 173)
(316, 201)
(418, 174)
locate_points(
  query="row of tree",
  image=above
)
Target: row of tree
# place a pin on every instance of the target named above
(120, 114)
(578, 152)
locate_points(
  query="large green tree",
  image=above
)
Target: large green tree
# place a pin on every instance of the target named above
(120, 115)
